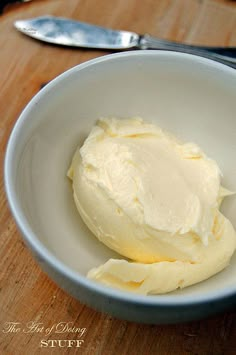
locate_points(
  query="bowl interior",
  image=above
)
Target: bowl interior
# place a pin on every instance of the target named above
(193, 99)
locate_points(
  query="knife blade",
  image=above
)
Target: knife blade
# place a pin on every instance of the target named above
(62, 31)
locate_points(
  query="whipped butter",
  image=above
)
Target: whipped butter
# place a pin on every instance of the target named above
(154, 200)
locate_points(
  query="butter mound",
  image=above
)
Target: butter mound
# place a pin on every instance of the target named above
(154, 200)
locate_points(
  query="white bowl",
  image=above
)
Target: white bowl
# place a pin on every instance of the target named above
(188, 95)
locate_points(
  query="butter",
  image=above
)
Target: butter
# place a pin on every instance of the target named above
(154, 200)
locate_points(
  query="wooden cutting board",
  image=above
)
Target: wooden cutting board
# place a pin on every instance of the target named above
(26, 293)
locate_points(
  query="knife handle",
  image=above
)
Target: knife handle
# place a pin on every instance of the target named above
(225, 55)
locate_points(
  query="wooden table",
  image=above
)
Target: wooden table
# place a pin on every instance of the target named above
(26, 293)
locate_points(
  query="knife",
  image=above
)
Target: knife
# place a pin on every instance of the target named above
(66, 32)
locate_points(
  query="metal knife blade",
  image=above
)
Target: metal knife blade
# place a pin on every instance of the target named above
(62, 31)
(59, 30)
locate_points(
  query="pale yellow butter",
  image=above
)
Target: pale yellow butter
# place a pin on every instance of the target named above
(154, 200)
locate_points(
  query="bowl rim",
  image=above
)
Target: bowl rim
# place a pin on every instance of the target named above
(30, 237)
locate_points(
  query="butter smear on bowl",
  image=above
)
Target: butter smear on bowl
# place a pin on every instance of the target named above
(155, 200)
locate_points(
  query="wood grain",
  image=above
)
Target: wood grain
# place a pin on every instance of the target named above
(26, 293)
